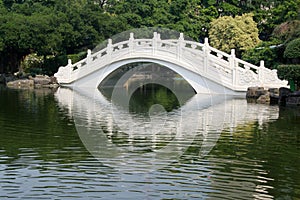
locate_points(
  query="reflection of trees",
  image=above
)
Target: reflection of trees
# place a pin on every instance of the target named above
(270, 152)
(32, 121)
(148, 95)
(282, 145)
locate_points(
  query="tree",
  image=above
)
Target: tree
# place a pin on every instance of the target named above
(273, 13)
(56, 28)
(16, 43)
(32, 27)
(238, 33)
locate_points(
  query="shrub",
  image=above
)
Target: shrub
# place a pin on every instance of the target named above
(292, 50)
(289, 72)
(77, 57)
(266, 51)
(32, 61)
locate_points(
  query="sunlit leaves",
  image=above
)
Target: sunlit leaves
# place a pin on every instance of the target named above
(238, 33)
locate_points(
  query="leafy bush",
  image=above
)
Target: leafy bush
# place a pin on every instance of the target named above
(269, 52)
(293, 49)
(35, 71)
(289, 72)
(32, 61)
(77, 57)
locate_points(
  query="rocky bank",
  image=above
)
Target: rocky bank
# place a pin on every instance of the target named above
(39, 81)
(272, 96)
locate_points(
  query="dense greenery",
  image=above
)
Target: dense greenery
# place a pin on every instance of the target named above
(290, 72)
(54, 30)
(292, 50)
(269, 51)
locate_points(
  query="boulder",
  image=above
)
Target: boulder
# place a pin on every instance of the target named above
(274, 95)
(42, 80)
(264, 99)
(255, 92)
(283, 94)
(21, 84)
(53, 80)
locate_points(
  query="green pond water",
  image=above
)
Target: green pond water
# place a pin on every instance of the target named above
(61, 145)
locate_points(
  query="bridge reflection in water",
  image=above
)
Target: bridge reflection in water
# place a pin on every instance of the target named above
(129, 141)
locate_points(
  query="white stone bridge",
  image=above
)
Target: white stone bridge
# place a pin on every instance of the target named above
(207, 69)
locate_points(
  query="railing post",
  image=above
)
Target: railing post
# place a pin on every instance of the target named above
(261, 72)
(180, 45)
(88, 56)
(233, 67)
(131, 43)
(70, 69)
(154, 43)
(69, 63)
(206, 53)
(109, 46)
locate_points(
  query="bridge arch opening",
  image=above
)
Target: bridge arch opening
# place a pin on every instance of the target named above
(145, 77)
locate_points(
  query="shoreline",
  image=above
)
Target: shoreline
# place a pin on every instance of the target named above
(30, 82)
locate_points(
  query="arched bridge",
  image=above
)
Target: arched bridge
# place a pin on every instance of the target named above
(207, 69)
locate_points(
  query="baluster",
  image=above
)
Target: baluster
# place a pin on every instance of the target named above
(233, 67)
(69, 63)
(69, 69)
(131, 43)
(158, 41)
(109, 48)
(206, 52)
(261, 77)
(154, 43)
(88, 57)
(180, 45)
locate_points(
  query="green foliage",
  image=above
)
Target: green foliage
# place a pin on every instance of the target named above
(51, 64)
(1, 44)
(238, 33)
(274, 13)
(285, 11)
(32, 61)
(287, 31)
(289, 72)
(77, 57)
(228, 9)
(55, 28)
(293, 49)
(266, 51)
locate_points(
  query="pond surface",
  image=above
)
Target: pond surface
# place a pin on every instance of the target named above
(68, 144)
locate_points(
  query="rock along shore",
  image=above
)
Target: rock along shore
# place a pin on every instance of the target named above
(282, 96)
(39, 81)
